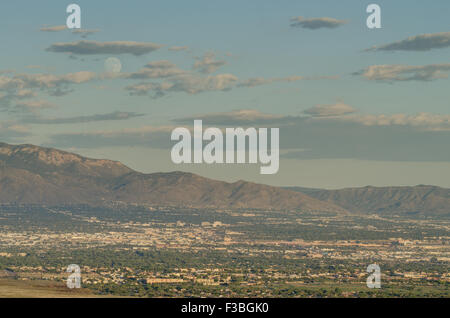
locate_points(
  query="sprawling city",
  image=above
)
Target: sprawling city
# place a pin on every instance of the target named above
(167, 252)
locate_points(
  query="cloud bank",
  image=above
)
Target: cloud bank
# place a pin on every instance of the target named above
(56, 28)
(23, 86)
(208, 64)
(391, 73)
(316, 23)
(423, 42)
(117, 115)
(391, 137)
(337, 109)
(113, 48)
(187, 83)
(242, 117)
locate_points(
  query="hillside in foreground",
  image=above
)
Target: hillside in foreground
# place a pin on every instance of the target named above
(10, 288)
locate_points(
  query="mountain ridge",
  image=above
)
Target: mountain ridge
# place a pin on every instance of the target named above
(31, 174)
(403, 200)
(36, 175)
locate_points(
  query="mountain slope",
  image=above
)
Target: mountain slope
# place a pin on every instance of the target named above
(49, 160)
(31, 174)
(193, 190)
(422, 199)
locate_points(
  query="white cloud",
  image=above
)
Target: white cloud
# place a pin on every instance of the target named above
(157, 69)
(423, 42)
(56, 28)
(258, 81)
(236, 117)
(397, 72)
(188, 83)
(208, 64)
(426, 121)
(178, 48)
(23, 86)
(337, 109)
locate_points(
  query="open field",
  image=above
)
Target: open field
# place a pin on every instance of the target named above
(10, 288)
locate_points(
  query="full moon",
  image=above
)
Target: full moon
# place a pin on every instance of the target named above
(113, 65)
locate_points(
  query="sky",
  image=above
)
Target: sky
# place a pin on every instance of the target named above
(355, 106)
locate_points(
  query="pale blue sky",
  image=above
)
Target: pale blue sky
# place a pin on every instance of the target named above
(255, 40)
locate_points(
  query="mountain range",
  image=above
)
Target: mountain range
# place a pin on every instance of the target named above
(36, 175)
(417, 200)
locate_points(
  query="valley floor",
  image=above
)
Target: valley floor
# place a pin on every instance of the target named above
(139, 251)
